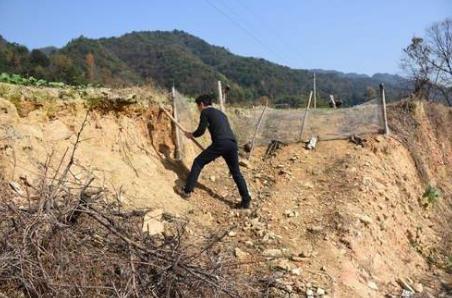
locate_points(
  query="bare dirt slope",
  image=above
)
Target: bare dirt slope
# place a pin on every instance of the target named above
(351, 218)
(116, 149)
(354, 225)
(341, 221)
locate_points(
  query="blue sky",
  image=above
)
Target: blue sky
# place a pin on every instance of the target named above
(361, 36)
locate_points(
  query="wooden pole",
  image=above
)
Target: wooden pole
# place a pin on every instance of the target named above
(180, 126)
(305, 115)
(220, 96)
(315, 94)
(258, 125)
(178, 142)
(383, 101)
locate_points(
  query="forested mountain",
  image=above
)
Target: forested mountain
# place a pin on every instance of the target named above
(189, 63)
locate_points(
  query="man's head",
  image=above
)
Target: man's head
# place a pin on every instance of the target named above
(203, 101)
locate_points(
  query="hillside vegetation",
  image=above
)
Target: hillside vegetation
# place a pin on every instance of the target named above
(189, 63)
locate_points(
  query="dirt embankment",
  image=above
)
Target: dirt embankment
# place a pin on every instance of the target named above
(340, 221)
(126, 152)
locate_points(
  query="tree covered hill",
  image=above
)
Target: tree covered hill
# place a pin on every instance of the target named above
(191, 64)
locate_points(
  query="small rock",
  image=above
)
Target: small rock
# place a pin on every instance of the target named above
(232, 234)
(312, 143)
(240, 254)
(272, 252)
(16, 187)
(153, 227)
(296, 259)
(285, 265)
(309, 293)
(372, 285)
(296, 271)
(291, 213)
(365, 219)
(406, 294)
(305, 254)
(152, 222)
(288, 287)
(314, 229)
(379, 138)
(308, 185)
(320, 292)
(245, 163)
(212, 178)
(418, 287)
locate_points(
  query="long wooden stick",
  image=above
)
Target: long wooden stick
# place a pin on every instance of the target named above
(305, 115)
(259, 122)
(180, 126)
(178, 139)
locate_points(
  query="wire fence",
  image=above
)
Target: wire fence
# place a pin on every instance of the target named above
(264, 124)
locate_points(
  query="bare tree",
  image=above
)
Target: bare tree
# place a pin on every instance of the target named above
(428, 62)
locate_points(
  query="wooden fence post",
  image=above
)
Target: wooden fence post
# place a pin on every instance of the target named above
(383, 102)
(220, 96)
(305, 115)
(176, 117)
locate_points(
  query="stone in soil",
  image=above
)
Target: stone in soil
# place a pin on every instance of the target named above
(240, 254)
(272, 252)
(372, 285)
(152, 222)
(285, 265)
(320, 292)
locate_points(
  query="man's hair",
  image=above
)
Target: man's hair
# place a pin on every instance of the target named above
(206, 99)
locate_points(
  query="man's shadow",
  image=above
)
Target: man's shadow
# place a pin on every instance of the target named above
(178, 167)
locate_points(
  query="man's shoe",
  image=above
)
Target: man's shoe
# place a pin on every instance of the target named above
(243, 205)
(185, 195)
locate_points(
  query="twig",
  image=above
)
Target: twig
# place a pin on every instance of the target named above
(74, 149)
(134, 273)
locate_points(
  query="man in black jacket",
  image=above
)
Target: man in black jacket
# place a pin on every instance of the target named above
(223, 144)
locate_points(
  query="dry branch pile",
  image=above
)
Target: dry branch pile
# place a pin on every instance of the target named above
(72, 241)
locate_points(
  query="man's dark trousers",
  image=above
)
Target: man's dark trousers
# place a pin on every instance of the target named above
(229, 151)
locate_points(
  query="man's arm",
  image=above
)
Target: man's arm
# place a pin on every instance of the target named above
(203, 123)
